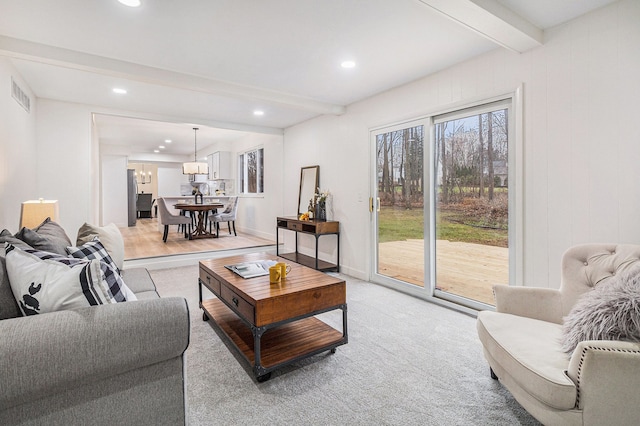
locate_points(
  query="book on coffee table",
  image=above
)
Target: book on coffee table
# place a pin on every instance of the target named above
(251, 269)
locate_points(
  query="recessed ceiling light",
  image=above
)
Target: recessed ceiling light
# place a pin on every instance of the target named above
(119, 91)
(348, 64)
(258, 112)
(130, 3)
(161, 147)
(156, 151)
(167, 140)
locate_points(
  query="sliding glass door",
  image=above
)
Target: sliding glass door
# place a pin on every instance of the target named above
(442, 204)
(398, 204)
(471, 203)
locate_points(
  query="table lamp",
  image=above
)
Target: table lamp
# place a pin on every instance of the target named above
(34, 212)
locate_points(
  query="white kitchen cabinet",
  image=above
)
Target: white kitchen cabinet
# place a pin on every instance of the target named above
(220, 165)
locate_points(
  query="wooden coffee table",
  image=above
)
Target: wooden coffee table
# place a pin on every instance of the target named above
(272, 325)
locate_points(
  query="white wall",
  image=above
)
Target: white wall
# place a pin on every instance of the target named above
(65, 161)
(582, 143)
(18, 177)
(339, 146)
(257, 214)
(169, 179)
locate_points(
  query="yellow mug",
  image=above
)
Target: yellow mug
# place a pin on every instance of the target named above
(274, 275)
(284, 269)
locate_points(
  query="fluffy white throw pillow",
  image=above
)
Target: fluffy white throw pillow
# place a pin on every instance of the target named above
(611, 311)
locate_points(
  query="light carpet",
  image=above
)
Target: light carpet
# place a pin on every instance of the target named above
(408, 362)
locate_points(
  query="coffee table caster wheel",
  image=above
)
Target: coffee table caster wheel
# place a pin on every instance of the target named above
(263, 378)
(333, 351)
(205, 317)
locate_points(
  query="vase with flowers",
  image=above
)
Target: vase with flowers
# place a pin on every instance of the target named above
(321, 204)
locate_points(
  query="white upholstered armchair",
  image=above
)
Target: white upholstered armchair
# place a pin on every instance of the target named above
(598, 382)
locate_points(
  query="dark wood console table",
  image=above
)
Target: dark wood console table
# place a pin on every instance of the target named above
(317, 228)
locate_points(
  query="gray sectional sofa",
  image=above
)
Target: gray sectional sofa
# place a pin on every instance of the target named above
(120, 363)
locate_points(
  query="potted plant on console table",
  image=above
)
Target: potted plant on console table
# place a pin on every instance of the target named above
(322, 199)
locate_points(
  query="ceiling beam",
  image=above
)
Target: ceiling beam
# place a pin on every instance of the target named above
(491, 20)
(41, 53)
(191, 122)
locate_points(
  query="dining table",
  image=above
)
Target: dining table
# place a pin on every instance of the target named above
(203, 209)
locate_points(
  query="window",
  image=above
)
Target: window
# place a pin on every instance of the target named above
(251, 171)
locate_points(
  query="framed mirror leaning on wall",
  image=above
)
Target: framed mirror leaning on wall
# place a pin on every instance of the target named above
(309, 183)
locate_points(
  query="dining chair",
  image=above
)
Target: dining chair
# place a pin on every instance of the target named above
(143, 205)
(228, 215)
(167, 218)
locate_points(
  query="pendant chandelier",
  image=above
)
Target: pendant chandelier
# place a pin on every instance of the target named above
(143, 177)
(195, 167)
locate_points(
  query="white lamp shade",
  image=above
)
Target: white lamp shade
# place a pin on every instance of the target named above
(194, 168)
(34, 212)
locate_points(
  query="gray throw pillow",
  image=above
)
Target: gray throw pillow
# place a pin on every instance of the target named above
(7, 237)
(43, 242)
(49, 228)
(8, 305)
(611, 311)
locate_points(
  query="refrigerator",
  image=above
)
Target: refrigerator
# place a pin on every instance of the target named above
(132, 196)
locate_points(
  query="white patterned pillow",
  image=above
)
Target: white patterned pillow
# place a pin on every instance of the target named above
(111, 277)
(48, 285)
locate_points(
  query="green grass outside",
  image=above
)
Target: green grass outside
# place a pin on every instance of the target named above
(399, 224)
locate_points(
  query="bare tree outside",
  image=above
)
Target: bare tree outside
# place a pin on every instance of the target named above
(400, 168)
(251, 170)
(471, 177)
(400, 184)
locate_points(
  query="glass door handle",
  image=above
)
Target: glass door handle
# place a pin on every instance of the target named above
(373, 205)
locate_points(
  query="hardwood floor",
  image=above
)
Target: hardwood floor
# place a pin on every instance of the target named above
(145, 240)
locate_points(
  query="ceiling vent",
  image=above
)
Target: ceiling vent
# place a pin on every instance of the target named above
(20, 96)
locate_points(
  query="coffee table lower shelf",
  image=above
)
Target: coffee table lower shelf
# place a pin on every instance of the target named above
(310, 262)
(280, 345)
